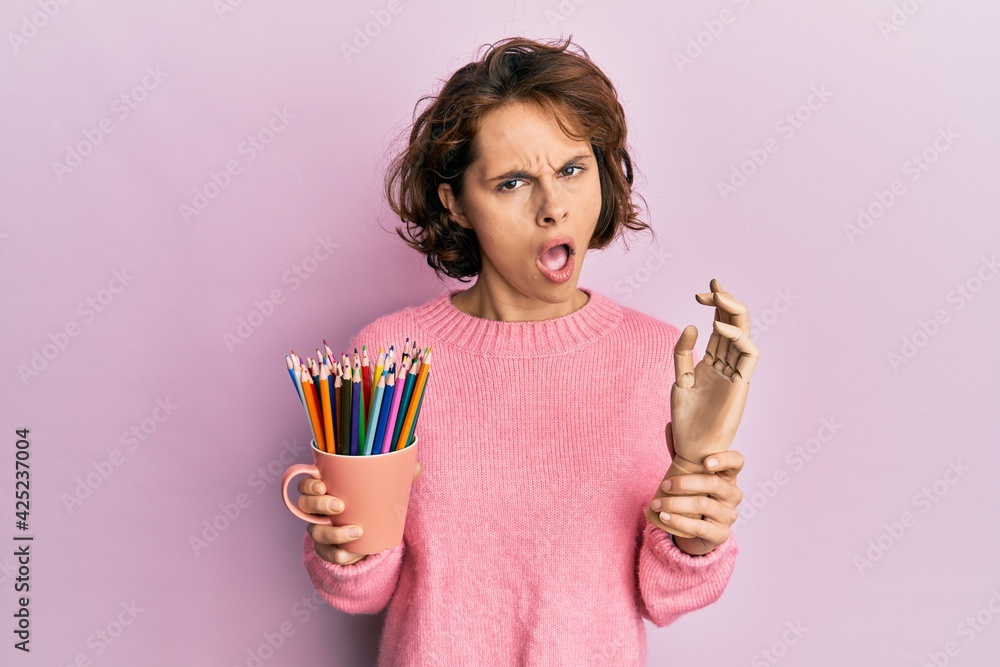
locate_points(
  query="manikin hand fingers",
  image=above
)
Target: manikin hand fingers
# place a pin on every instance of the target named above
(748, 353)
(739, 316)
(722, 315)
(683, 357)
(717, 348)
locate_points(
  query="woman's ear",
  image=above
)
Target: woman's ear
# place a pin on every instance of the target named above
(452, 205)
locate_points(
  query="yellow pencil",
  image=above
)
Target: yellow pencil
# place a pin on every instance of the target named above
(378, 373)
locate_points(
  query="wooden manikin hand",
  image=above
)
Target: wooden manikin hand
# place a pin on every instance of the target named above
(707, 400)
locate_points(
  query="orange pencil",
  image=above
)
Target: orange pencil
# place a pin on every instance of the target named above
(309, 389)
(324, 393)
(418, 390)
(407, 402)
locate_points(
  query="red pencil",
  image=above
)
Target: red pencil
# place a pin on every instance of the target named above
(366, 381)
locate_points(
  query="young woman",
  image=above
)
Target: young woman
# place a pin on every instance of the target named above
(540, 529)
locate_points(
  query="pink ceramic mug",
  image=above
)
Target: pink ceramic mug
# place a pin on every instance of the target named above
(375, 490)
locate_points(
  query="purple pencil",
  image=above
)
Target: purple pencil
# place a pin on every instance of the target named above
(390, 425)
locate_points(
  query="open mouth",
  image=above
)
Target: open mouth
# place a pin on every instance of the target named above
(555, 258)
(556, 252)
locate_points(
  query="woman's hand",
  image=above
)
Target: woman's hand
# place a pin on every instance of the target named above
(328, 539)
(712, 496)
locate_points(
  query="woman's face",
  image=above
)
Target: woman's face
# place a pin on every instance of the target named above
(533, 198)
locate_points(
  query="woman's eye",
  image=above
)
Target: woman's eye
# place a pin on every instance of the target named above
(503, 186)
(506, 189)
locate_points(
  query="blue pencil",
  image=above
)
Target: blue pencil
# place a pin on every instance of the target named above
(383, 417)
(374, 416)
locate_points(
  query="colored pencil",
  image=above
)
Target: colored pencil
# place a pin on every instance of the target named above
(366, 380)
(373, 419)
(362, 411)
(355, 410)
(390, 424)
(383, 416)
(418, 393)
(345, 428)
(338, 410)
(310, 392)
(324, 392)
(292, 373)
(378, 369)
(404, 405)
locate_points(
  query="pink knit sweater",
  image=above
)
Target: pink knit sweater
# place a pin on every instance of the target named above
(525, 539)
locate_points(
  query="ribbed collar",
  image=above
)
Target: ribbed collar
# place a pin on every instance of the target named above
(559, 335)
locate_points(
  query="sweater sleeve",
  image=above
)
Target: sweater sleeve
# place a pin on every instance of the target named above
(362, 588)
(673, 583)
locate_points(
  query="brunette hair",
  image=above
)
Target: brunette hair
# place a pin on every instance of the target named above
(442, 144)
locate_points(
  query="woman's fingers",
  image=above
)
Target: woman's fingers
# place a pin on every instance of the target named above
(684, 357)
(333, 554)
(320, 504)
(333, 535)
(700, 506)
(719, 487)
(311, 486)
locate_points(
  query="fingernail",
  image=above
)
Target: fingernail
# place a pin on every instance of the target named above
(334, 506)
(664, 517)
(354, 531)
(666, 485)
(711, 463)
(656, 504)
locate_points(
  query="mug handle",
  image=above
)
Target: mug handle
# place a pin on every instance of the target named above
(302, 469)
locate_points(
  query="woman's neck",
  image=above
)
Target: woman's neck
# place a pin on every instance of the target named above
(482, 302)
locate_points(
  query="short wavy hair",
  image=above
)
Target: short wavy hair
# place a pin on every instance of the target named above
(441, 144)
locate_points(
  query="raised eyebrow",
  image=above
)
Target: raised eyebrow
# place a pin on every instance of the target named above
(515, 173)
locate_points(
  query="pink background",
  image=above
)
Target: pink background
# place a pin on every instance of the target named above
(841, 546)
